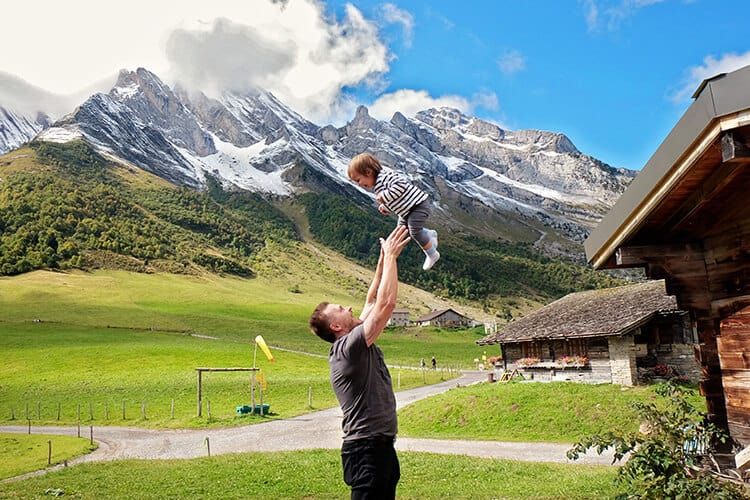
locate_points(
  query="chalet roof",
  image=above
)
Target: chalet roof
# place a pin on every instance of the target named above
(436, 313)
(594, 313)
(675, 196)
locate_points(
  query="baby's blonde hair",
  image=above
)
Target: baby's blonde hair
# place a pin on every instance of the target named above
(364, 164)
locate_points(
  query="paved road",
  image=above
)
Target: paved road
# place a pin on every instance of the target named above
(320, 429)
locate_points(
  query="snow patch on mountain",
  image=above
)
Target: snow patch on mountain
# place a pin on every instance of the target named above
(60, 134)
(236, 165)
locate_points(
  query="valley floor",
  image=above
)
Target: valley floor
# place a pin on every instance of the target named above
(316, 430)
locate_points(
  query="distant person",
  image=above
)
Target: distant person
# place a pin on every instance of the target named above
(421, 363)
(434, 363)
(397, 194)
(361, 381)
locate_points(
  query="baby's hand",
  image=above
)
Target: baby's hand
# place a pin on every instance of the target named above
(382, 209)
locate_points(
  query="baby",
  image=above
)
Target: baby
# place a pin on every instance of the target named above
(395, 193)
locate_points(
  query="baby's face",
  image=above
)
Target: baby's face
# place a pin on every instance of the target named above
(365, 181)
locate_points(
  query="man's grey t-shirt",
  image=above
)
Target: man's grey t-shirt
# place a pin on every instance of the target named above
(363, 387)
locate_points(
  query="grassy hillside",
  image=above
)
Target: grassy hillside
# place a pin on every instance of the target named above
(63, 206)
(470, 268)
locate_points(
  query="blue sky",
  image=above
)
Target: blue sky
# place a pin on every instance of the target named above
(613, 75)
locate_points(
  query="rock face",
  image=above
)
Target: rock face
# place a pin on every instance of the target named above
(478, 174)
(17, 128)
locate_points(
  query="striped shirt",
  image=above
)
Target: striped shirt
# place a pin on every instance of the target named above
(397, 193)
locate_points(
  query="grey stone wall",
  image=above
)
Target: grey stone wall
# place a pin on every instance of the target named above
(622, 360)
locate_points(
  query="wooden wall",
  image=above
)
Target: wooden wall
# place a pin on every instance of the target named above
(734, 354)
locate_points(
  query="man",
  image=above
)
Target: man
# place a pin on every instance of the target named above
(361, 380)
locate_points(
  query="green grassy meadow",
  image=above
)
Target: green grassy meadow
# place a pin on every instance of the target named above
(23, 453)
(314, 474)
(90, 346)
(118, 348)
(561, 412)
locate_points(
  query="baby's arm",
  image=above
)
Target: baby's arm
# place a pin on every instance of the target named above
(382, 208)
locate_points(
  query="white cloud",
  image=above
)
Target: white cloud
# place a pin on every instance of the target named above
(292, 49)
(393, 15)
(409, 102)
(511, 62)
(485, 99)
(229, 56)
(610, 14)
(710, 68)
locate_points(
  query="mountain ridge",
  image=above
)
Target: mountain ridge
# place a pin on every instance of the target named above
(528, 185)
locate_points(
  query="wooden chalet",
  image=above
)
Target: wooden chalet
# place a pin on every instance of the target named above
(621, 335)
(446, 318)
(686, 219)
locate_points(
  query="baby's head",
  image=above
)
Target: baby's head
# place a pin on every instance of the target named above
(364, 169)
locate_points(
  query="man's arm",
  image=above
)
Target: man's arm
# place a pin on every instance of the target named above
(372, 292)
(387, 290)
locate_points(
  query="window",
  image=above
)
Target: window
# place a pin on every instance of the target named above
(574, 347)
(532, 350)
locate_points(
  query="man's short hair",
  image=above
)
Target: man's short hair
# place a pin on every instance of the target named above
(319, 324)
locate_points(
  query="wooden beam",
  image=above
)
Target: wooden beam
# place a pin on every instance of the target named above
(728, 306)
(742, 459)
(654, 254)
(733, 147)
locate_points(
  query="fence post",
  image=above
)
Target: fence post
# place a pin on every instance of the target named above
(49, 452)
(143, 410)
(91, 433)
(171, 414)
(200, 401)
(123, 409)
(309, 397)
(58, 410)
(208, 446)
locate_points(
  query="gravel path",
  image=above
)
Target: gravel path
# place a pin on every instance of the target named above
(320, 429)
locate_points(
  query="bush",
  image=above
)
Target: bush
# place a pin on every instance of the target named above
(665, 456)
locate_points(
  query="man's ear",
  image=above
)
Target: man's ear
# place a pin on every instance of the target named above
(334, 327)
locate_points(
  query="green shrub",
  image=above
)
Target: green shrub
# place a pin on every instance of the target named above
(664, 458)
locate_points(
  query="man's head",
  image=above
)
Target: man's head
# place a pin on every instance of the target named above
(331, 321)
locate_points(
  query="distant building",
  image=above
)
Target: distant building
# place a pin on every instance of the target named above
(614, 335)
(399, 317)
(446, 318)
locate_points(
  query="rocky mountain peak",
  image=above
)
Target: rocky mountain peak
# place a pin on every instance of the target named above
(475, 171)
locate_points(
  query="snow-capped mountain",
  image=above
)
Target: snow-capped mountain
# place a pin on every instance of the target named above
(253, 141)
(25, 110)
(16, 128)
